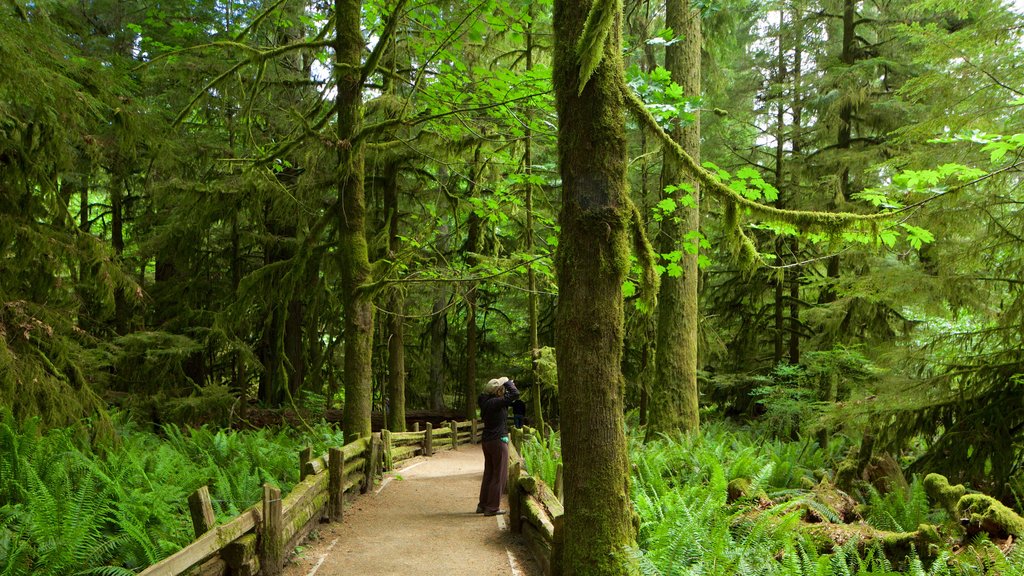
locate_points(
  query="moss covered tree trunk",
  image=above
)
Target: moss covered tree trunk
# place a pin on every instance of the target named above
(843, 139)
(438, 329)
(396, 305)
(673, 403)
(593, 258)
(351, 222)
(472, 248)
(536, 413)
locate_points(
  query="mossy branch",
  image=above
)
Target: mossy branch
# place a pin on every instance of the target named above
(807, 220)
(590, 49)
(645, 254)
(378, 50)
(259, 56)
(258, 20)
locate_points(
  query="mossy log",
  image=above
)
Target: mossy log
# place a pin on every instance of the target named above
(943, 494)
(824, 502)
(896, 545)
(976, 512)
(981, 513)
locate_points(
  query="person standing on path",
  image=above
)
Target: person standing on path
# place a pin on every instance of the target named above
(497, 396)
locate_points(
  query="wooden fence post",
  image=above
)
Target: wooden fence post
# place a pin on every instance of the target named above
(389, 463)
(428, 440)
(305, 455)
(201, 509)
(370, 468)
(415, 426)
(515, 516)
(556, 544)
(455, 434)
(472, 431)
(271, 550)
(335, 484)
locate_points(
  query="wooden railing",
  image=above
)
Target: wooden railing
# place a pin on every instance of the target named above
(258, 540)
(535, 509)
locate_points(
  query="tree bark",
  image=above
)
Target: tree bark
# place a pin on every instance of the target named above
(843, 139)
(674, 397)
(592, 262)
(395, 326)
(536, 413)
(438, 327)
(471, 248)
(351, 221)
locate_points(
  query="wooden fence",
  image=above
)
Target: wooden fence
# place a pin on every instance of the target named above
(258, 540)
(535, 509)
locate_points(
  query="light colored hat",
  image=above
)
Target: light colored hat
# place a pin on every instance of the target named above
(494, 384)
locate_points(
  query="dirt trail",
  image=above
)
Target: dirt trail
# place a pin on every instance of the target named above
(420, 522)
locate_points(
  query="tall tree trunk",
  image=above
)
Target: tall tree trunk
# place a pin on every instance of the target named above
(536, 413)
(469, 386)
(472, 248)
(351, 221)
(793, 274)
(395, 327)
(438, 327)
(117, 242)
(780, 139)
(647, 375)
(674, 398)
(592, 262)
(238, 375)
(847, 57)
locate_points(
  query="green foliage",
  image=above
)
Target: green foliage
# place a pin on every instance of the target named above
(542, 456)
(115, 508)
(902, 512)
(689, 525)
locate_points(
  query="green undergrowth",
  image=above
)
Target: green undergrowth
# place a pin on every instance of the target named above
(542, 456)
(729, 501)
(69, 505)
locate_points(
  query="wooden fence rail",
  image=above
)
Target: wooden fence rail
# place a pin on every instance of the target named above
(535, 510)
(257, 541)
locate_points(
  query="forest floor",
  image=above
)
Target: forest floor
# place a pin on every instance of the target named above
(419, 521)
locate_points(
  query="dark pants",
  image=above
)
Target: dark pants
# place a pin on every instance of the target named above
(495, 474)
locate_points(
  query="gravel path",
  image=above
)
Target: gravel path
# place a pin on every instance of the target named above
(420, 522)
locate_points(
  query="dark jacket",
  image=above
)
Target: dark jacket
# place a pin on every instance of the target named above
(494, 412)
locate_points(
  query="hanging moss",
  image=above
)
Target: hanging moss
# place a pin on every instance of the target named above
(830, 223)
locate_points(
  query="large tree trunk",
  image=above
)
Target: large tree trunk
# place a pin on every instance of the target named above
(351, 221)
(593, 258)
(673, 405)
